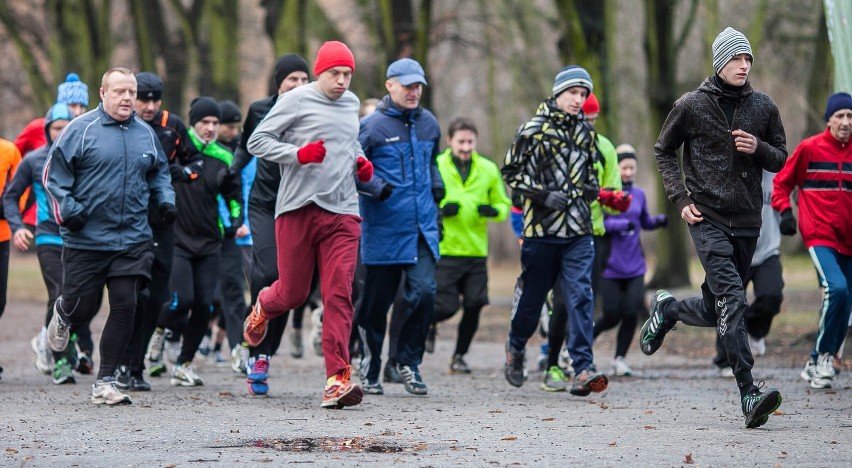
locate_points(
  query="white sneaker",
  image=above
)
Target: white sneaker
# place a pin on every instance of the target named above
(184, 375)
(316, 330)
(809, 374)
(757, 345)
(44, 357)
(726, 372)
(171, 348)
(297, 349)
(240, 358)
(619, 367)
(825, 366)
(104, 392)
(58, 331)
(565, 362)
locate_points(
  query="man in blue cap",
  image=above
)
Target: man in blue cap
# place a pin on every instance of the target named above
(399, 233)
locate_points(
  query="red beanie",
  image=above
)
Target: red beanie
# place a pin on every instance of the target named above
(333, 54)
(591, 105)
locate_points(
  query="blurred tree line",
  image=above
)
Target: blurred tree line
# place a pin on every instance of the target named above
(195, 45)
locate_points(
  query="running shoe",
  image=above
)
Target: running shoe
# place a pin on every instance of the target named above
(58, 331)
(340, 391)
(156, 366)
(316, 330)
(122, 377)
(63, 373)
(588, 381)
(825, 366)
(254, 327)
(430, 338)
(204, 346)
(554, 380)
(758, 406)
(138, 384)
(515, 368)
(171, 348)
(391, 373)
(44, 358)
(240, 358)
(297, 348)
(373, 388)
(458, 366)
(257, 377)
(543, 353)
(655, 328)
(412, 380)
(620, 368)
(104, 392)
(85, 363)
(810, 375)
(757, 345)
(218, 358)
(184, 375)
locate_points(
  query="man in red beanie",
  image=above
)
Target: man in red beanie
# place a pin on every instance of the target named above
(312, 133)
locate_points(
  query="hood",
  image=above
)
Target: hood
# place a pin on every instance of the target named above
(58, 111)
(710, 86)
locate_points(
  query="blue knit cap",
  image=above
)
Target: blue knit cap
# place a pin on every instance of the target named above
(836, 102)
(570, 76)
(73, 91)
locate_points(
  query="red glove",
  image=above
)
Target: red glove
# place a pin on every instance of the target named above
(365, 169)
(313, 152)
(615, 199)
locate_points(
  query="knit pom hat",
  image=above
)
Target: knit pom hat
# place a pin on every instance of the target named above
(73, 91)
(202, 107)
(836, 102)
(729, 43)
(591, 105)
(230, 112)
(625, 151)
(287, 64)
(570, 76)
(333, 54)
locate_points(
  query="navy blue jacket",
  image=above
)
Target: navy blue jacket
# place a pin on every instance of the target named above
(403, 146)
(109, 171)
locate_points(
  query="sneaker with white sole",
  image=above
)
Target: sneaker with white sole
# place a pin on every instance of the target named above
(297, 348)
(58, 331)
(825, 366)
(412, 380)
(620, 368)
(655, 328)
(340, 391)
(554, 380)
(810, 375)
(156, 365)
(171, 348)
(256, 378)
(184, 375)
(757, 345)
(240, 358)
(63, 373)
(758, 406)
(588, 381)
(515, 368)
(44, 358)
(104, 392)
(316, 330)
(726, 372)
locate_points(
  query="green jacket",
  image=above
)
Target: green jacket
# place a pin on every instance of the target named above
(466, 234)
(609, 177)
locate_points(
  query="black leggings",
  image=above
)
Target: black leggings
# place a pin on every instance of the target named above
(50, 264)
(4, 274)
(123, 294)
(621, 300)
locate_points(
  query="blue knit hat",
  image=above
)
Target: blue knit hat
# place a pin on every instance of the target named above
(73, 91)
(836, 102)
(569, 77)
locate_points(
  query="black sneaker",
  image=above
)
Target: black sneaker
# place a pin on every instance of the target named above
(430, 338)
(458, 365)
(411, 378)
(85, 363)
(656, 327)
(391, 373)
(138, 384)
(758, 406)
(122, 377)
(515, 369)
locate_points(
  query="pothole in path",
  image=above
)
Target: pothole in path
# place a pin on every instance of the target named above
(329, 444)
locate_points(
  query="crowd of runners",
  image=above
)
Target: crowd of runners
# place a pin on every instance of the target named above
(335, 211)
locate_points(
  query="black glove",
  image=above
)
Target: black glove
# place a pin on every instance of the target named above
(168, 212)
(556, 201)
(487, 211)
(230, 232)
(591, 192)
(438, 193)
(787, 226)
(76, 222)
(387, 190)
(450, 209)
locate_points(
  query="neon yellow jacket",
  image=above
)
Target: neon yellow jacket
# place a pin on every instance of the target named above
(466, 234)
(608, 177)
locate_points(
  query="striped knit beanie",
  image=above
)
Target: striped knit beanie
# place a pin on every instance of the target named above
(729, 43)
(571, 76)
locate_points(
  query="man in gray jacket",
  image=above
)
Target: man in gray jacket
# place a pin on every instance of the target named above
(102, 172)
(730, 133)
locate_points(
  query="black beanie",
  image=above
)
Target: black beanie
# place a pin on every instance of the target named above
(230, 112)
(287, 64)
(148, 86)
(202, 107)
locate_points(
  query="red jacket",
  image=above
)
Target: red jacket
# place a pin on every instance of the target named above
(821, 168)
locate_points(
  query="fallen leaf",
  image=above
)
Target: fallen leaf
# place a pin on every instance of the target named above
(778, 413)
(421, 447)
(613, 444)
(225, 394)
(496, 411)
(368, 424)
(509, 438)
(549, 419)
(11, 450)
(604, 405)
(649, 427)
(235, 431)
(688, 459)
(649, 412)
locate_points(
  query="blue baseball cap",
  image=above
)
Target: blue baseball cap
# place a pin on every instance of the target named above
(407, 71)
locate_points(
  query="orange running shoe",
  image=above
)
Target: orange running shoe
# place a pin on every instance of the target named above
(340, 392)
(254, 328)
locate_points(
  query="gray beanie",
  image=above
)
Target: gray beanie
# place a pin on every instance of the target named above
(569, 77)
(729, 43)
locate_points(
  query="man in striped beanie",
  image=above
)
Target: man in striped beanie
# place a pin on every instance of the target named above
(730, 134)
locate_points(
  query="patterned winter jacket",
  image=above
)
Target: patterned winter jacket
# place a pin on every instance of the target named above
(724, 183)
(553, 151)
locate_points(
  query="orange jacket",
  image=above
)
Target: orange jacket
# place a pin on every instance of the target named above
(10, 156)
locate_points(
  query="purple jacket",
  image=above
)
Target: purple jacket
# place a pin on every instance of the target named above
(627, 259)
